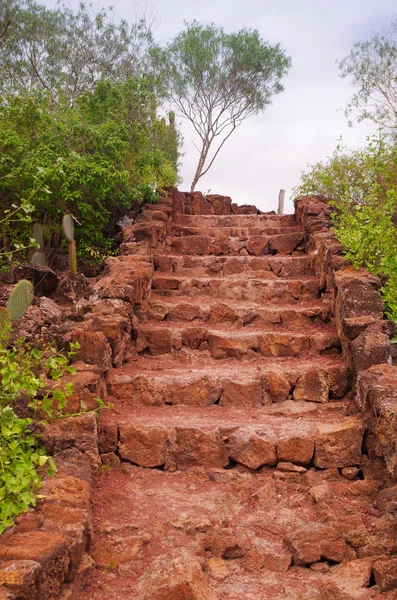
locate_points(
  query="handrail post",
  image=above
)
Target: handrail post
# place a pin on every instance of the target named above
(280, 208)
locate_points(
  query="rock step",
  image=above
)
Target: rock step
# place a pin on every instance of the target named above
(229, 382)
(257, 245)
(235, 220)
(235, 232)
(284, 291)
(238, 537)
(159, 338)
(178, 438)
(266, 267)
(238, 313)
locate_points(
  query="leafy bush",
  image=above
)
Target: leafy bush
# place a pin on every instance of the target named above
(92, 159)
(362, 186)
(24, 374)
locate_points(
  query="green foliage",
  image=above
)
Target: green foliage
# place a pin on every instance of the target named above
(362, 186)
(20, 299)
(59, 48)
(371, 68)
(91, 159)
(216, 80)
(24, 373)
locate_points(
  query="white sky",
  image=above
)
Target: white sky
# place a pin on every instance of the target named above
(269, 151)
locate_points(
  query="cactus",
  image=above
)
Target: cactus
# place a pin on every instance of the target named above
(38, 234)
(38, 258)
(68, 229)
(20, 299)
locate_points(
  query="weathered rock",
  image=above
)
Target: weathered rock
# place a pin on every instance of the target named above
(312, 386)
(314, 541)
(145, 447)
(385, 572)
(339, 445)
(217, 568)
(175, 576)
(49, 550)
(196, 448)
(114, 550)
(225, 544)
(253, 450)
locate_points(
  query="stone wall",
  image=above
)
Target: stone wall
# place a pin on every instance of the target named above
(363, 330)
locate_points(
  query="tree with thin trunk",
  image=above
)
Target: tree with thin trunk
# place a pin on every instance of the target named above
(216, 80)
(371, 68)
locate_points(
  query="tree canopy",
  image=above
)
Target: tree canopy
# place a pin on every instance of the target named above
(371, 68)
(216, 80)
(42, 48)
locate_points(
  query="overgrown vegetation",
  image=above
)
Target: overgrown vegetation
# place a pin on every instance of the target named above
(28, 378)
(362, 186)
(92, 159)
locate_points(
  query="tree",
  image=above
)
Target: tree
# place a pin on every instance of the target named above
(372, 68)
(216, 80)
(49, 49)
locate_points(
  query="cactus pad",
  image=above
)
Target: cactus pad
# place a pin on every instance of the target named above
(20, 299)
(68, 227)
(38, 234)
(38, 258)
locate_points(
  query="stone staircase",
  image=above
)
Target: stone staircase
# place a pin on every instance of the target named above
(232, 456)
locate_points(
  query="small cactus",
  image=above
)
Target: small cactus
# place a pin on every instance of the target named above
(68, 229)
(20, 299)
(38, 258)
(38, 234)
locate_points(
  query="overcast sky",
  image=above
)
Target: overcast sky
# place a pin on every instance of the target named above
(303, 125)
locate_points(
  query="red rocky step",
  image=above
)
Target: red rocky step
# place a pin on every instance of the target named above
(235, 220)
(266, 267)
(284, 291)
(228, 382)
(181, 438)
(248, 231)
(238, 313)
(223, 343)
(258, 245)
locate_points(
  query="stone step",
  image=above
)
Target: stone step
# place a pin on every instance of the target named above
(265, 267)
(158, 338)
(258, 245)
(179, 438)
(238, 313)
(236, 232)
(237, 536)
(285, 291)
(235, 220)
(153, 382)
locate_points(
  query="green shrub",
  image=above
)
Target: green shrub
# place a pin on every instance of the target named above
(92, 159)
(24, 372)
(362, 186)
